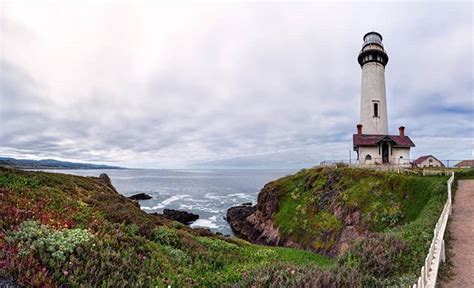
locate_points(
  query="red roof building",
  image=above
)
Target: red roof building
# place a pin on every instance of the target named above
(465, 164)
(382, 149)
(427, 161)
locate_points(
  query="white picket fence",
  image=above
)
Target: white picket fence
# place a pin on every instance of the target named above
(436, 254)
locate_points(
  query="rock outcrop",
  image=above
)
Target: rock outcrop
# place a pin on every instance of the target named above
(237, 218)
(106, 179)
(180, 216)
(254, 223)
(140, 196)
(338, 224)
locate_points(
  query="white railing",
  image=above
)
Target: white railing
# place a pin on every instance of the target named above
(436, 254)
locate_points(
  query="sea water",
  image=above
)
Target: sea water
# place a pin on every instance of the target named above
(208, 193)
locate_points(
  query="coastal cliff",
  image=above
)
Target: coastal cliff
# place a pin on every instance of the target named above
(59, 230)
(327, 210)
(362, 229)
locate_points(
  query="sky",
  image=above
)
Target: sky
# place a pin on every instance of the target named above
(227, 84)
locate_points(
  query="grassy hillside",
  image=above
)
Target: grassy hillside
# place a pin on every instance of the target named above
(60, 229)
(377, 224)
(313, 203)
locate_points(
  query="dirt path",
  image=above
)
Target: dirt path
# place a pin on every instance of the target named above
(462, 229)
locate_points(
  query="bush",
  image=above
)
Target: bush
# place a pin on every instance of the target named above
(166, 236)
(377, 255)
(17, 181)
(46, 242)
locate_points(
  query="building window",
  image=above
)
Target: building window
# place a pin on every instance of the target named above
(376, 109)
(368, 157)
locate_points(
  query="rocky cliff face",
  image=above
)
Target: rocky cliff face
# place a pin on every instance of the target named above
(254, 223)
(320, 209)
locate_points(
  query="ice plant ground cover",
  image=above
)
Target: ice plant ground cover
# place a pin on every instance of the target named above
(58, 229)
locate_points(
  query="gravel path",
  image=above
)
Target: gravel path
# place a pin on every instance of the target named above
(462, 229)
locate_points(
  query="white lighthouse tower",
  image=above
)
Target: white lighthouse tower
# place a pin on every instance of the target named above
(373, 103)
(373, 144)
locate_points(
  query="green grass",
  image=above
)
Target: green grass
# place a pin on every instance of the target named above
(301, 257)
(70, 230)
(127, 247)
(393, 208)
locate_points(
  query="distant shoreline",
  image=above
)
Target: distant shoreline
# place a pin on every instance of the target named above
(50, 164)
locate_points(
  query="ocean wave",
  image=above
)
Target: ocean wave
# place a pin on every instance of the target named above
(207, 223)
(213, 196)
(241, 195)
(166, 202)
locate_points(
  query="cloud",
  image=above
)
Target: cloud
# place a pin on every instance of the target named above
(228, 85)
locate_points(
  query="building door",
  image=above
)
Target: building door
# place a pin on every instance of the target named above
(384, 153)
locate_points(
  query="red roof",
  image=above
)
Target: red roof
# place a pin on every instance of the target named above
(465, 163)
(423, 158)
(373, 140)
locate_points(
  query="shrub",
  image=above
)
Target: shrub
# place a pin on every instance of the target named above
(288, 275)
(378, 255)
(166, 236)
(176, 255)
(15, 181)
(57, 244)
(218, 245)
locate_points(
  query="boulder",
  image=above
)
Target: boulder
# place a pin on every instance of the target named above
(237, 218)
(140, 196)
(180, 216)
(106, 179)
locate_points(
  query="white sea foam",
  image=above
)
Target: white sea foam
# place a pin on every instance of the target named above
(166, 202)
(241, 196)
(208, 223)
(213, 196)
(186, 207)
(207, 209)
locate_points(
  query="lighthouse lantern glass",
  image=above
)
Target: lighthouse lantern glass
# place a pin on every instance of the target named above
(372, 38)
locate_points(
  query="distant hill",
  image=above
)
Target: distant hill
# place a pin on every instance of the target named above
(50, 164)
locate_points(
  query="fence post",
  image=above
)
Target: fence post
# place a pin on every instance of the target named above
(443, 254)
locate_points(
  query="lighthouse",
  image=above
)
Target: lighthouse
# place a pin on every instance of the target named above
(373, 102)
(372, 142)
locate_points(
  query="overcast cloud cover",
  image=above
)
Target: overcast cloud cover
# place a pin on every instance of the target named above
(257, 85)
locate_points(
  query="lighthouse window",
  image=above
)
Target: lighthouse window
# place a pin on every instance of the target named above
(376, 109)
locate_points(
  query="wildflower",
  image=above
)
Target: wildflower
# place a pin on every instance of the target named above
(65, 273)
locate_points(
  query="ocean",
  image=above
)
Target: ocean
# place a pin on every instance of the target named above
(208, 193)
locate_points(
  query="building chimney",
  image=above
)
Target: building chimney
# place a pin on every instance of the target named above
(402, 130)
(359, 129)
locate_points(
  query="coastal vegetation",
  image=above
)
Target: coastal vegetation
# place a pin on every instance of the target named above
(349, 227)
(378, 225)
(58, 229)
